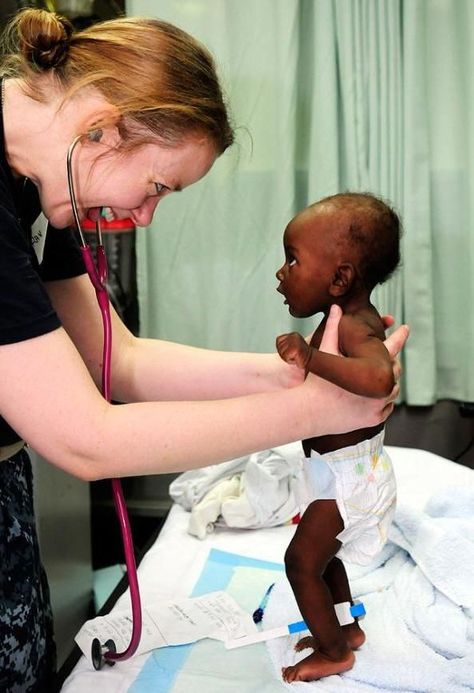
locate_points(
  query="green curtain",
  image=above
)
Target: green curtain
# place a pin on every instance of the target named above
(327, 95)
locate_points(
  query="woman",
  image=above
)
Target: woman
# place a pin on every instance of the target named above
(144, 99)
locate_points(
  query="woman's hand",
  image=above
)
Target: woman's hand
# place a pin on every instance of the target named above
(352, 411)
(388, 321)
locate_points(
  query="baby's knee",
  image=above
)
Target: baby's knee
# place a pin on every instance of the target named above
(335, 564)
(298, 565)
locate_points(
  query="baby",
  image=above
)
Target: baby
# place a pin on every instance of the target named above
(337, 251)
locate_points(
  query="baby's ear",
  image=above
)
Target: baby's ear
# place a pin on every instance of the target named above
(342, 280)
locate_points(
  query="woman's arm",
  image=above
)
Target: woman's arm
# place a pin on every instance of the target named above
(152, 369)
(48, 396)
(50, 399)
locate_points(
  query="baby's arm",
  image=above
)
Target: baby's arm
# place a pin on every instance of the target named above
(366, 369)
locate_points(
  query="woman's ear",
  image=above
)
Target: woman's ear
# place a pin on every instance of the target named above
(95, 135)
(342, 280)
(103, 127)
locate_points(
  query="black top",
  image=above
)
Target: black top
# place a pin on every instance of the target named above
(25, 308)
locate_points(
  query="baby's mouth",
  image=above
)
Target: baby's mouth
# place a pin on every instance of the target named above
(280, 291)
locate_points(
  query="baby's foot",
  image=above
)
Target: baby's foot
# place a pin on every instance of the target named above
(354, 635)
(304, 643)
(316, 666)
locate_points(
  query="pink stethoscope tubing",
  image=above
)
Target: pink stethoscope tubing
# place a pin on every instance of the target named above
(97, 272)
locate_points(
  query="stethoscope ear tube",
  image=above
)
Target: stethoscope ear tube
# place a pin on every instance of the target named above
(97, 272)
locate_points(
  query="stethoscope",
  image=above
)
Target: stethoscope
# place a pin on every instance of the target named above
(97, 270)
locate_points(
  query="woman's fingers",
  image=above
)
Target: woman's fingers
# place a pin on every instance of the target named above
(387, 320)
(394, 393)
(330, 340)
(396, 341)
(397, 369)
(387, 410)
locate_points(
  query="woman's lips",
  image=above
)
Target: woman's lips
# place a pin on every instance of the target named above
(95, 212)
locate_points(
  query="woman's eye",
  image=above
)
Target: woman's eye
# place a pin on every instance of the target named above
(291, 261)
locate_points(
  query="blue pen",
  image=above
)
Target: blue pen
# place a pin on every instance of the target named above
(258, 613)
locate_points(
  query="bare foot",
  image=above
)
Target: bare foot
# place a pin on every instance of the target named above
(354, 635)
(307, 641)
(316, 666)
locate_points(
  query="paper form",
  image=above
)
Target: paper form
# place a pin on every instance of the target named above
(215, 615)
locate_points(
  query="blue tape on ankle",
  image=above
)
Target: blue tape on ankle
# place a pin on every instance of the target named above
(297, 627)
(357, 610)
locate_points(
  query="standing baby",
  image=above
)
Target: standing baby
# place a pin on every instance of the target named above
(336, 251)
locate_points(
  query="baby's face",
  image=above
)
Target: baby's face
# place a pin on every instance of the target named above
(311, 259)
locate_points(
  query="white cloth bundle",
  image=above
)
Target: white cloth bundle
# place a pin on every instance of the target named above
(259, 490)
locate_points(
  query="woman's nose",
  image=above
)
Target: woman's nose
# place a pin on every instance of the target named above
(279, 274)
(143, 215)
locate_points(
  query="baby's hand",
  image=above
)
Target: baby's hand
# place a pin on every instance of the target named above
(293, 349)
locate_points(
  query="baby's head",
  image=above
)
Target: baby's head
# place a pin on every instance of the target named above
(338, 249)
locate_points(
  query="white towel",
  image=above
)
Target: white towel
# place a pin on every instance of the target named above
(418, 595)
(441, 542)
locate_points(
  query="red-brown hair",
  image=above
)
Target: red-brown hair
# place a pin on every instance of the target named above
(161, 81)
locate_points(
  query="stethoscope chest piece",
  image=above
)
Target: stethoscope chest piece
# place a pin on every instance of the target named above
(99, 651)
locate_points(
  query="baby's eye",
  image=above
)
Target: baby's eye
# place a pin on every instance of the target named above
(159, 187)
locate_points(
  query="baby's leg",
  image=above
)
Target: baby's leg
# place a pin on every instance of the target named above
(335, 577)
(312, 548)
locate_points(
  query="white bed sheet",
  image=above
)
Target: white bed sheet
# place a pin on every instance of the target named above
(174, 563)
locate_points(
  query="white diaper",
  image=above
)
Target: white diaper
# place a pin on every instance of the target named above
(361, 480)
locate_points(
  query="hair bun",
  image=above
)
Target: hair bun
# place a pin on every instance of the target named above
(44, 37)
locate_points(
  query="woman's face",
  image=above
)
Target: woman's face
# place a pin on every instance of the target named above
(129, 185)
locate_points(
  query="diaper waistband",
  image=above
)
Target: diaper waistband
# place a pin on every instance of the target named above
(365, 447)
